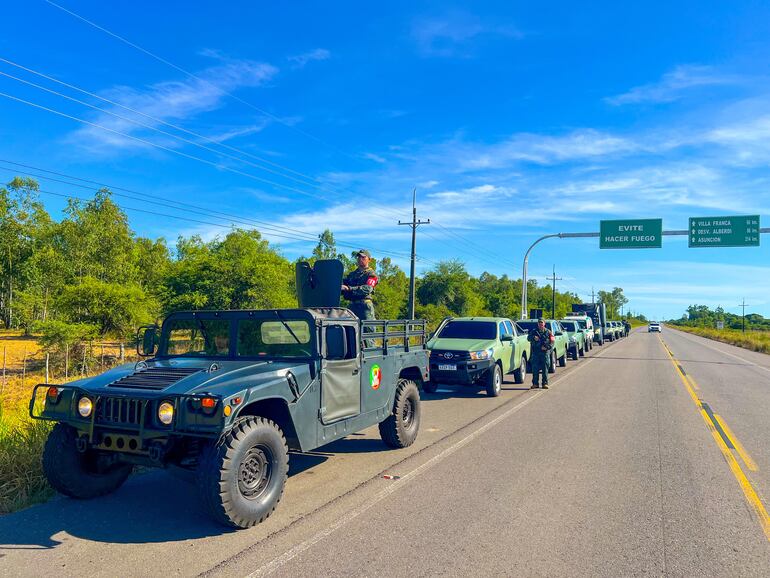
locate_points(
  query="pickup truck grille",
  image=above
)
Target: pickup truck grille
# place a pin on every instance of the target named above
(154, 378)
(119, 411)
(451, 356)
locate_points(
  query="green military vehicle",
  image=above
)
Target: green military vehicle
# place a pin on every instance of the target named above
(477, 351)
(609, 331)
(560, 347)
(576, 337)
(226, 394)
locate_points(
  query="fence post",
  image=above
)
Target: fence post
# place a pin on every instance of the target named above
(122, 353)
(66, 361)
(3, 386)
(46, 368)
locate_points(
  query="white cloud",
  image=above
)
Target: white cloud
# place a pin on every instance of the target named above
(374, 157)
(170, 101)
(300, 60)
(673, 85)
(453, 34)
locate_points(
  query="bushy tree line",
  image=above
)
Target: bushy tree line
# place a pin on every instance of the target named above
(89, 275)
(703, 316)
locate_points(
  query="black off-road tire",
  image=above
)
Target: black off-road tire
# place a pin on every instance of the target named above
(563, 360)
(494, 381)
(73, 473)
(429, 386)
(400, 429)
(241, 477)
(552, 365)
(575, 353)
(582, 351)
(520, 373)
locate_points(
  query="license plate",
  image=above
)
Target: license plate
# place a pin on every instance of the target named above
(447, 367)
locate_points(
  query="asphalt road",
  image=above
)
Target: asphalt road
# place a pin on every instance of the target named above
(649, 457)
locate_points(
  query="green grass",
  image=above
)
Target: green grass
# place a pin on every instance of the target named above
(753, 340)
(21, 472)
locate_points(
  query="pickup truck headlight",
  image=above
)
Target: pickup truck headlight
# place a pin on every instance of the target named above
(484, 354)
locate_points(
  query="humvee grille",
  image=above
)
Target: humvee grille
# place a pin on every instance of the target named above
(119, 411)
(154, 378)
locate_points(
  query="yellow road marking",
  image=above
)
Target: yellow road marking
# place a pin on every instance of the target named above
(750, 463)
(748, 490)
(692, 382)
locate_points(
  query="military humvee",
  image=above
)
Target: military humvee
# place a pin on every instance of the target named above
(226, 394)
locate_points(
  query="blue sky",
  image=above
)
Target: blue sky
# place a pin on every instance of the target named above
(512, 121)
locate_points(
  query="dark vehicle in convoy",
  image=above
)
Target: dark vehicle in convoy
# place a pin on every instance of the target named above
(560, 343)
(598, 314)
(226, 394)
(477, 351)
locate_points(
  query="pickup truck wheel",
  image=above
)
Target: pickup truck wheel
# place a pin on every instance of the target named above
(582, 351)
(400, 429)
(241, 476)
(494, 381)
(518, 374)
(429, 386)
(563, 359)
(552, 365)
(78, 474)
(575, 353)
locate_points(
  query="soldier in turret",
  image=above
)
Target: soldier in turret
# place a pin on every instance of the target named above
(358, 287)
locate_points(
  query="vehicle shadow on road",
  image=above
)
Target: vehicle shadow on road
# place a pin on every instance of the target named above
(152, 507)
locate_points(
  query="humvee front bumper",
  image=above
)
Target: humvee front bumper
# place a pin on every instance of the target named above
(127, 423)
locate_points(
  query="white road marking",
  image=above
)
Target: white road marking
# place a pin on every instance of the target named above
(289, 555)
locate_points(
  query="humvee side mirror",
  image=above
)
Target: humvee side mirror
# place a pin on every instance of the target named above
(149, 340)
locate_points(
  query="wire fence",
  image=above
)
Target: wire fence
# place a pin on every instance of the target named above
(24, 364)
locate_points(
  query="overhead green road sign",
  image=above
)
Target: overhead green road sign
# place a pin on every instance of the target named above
(734, 231)
(631, 234)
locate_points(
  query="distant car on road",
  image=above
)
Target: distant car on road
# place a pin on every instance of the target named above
(653, 326)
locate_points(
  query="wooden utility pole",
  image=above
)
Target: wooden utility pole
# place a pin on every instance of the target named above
(554, 279)
(743, 315)
(414, 223)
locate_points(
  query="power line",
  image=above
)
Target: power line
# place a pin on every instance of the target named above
(160, 121)
(199, 79)
(381, 212)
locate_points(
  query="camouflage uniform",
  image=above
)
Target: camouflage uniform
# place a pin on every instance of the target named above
(541, 345)
(361, 284)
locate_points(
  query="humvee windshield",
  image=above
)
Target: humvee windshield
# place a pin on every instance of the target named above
(256, 337)
(197, 337)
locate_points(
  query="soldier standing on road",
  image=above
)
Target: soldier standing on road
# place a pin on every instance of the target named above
(358, 287)
(541, 340)
(627, 327)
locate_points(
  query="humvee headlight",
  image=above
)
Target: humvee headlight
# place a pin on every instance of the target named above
(85, 406)
(166, 413)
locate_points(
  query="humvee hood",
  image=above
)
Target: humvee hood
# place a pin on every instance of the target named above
(183, 375)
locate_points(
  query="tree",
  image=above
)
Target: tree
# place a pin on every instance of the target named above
(392, 293)
(448, 284)
(240, 271)
(614, 301)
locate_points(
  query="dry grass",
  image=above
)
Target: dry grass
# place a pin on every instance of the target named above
(21, 438)
(753, 340)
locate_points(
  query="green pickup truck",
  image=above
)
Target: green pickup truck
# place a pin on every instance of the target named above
(477, 351)
(575, 336)
(559, 351)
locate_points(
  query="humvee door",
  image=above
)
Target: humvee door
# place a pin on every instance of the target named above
(340, 369)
